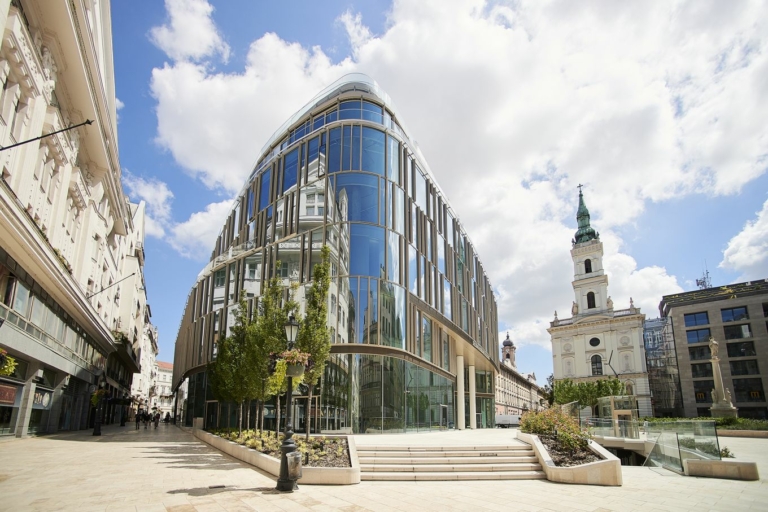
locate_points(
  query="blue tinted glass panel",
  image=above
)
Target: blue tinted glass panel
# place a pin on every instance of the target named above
(264, 192)
(334, 150)
(382, 200)
(350, 110)
(249, 204)
(413, 270)
(372, 112)
(733, 314)
(290, 169)
(367, 250)
(393, 160)
(355, 148)
(363, 336)
(357, 197)
(318, 122)
(373, 312)
(346, 148)
(449, 231)
(331, 116)
(373, 151)
(428, 232)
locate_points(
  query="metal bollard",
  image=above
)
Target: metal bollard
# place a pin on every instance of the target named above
(294, 465)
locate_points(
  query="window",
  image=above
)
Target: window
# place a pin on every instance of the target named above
(748, 390)
(698, 335)
(734, 314)
(733, 332)
(748, 367)
(597, 365)
(594, 342)
(590, 300)
(701, 370)
(700, 353)
(588, 266)
(702, 389)
(741, 349)
(694, 319)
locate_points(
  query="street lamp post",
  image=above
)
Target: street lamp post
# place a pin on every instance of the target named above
(123, 408)
(99, 401)
(285, 482)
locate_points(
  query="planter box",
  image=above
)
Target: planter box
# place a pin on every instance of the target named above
(311, 475)
(732, 469)
(603, 472)
(743, 433)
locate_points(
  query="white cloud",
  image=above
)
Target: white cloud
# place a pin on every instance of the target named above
(158, 197)
(190, 32)
(194, 238)
(512, 106)
(747, 252)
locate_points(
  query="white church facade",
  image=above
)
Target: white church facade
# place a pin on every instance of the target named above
(598, 341)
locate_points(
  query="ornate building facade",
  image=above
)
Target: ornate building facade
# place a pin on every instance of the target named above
(72, 296)
(516, 392)
(411, 311)
(598, 340)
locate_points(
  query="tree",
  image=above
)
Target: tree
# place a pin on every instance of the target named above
(230, 374)
(313, 337)
(549, 390)
(586, 393)
(267, 337)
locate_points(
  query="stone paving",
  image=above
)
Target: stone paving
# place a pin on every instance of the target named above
(169, 470)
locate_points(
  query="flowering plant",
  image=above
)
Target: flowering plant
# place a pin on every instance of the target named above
(98, 394)
(7, 363)
(294, 356)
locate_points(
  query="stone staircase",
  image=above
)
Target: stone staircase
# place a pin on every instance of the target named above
(517, 462)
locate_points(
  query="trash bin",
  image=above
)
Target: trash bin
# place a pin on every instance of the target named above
(294, 465)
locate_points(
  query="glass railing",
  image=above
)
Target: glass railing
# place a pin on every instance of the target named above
(696, 439)
(607, 427)
(665, 452)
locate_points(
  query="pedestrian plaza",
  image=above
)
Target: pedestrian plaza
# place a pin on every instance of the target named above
(168, 469)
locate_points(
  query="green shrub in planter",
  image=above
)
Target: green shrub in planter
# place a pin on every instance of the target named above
(555, 424)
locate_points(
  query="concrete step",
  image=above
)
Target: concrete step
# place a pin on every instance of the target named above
(365, 459)
(490, 448)
(462, 475)
(441, 468)
(447, 453)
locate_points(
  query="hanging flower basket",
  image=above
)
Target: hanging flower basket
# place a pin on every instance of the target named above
(7, 363)
(296, 362)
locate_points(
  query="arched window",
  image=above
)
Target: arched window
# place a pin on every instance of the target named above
(597, 365)
(590, 300)
(588, 266)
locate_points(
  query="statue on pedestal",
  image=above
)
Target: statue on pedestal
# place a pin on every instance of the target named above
(714, 347)
(575, 309)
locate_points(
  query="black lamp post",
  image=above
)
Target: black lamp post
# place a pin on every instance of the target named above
(99, 401)
(123, 407)
(285, 482)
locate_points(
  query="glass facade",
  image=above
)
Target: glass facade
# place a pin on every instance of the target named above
(404, 275)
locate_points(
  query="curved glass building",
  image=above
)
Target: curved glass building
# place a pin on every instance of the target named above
(411, 312)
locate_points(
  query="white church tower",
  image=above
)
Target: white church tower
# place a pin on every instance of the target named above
(597, 341)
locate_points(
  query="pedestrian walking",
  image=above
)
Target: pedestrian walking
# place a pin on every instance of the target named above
(138, 419)
(157, 419)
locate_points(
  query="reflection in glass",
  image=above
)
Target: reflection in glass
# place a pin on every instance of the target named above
(419, 194)
(362, 306)
(372, 112)
(357, 197)
(312, 205)
(426, 337)
(392, 315)
(290, 169)
(334, 150)
(413, 271)
(393, 160)
(446, 352)
(288, 254)
(252, 275)
(264, 192)
(367, 250)
(393, 257)
(398, 210)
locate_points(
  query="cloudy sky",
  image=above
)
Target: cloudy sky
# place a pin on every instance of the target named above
(658, 108)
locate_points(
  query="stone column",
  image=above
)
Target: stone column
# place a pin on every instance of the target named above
(472, 400)
(27, 398)
(721, 397)
(460, 424)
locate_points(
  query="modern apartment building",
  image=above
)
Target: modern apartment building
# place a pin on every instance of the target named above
(736, 316)
(411, 311)
(72, 297)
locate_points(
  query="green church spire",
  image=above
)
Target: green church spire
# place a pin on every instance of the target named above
(585, 232)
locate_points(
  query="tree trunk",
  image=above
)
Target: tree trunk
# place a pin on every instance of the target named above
(240, 419)
(277, 417)
(248, 416)
(308, 414)
(261, 415)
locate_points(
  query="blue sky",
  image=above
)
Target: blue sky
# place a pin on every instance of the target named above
(657, 108)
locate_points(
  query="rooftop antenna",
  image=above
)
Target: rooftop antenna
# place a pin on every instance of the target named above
(704, 282)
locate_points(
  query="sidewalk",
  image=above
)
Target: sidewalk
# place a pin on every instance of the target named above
(168, 469)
